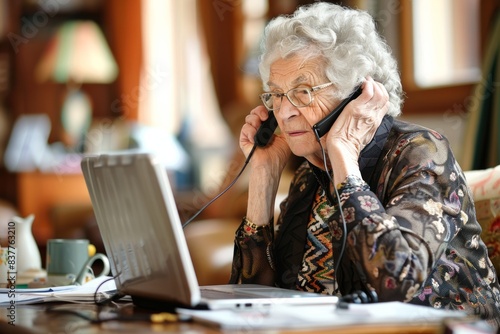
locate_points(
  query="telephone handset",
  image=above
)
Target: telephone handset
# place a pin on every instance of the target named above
(266, 130)
(323, 126)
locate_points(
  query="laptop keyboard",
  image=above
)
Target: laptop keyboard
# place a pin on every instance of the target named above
(217, 294)
(243, 292)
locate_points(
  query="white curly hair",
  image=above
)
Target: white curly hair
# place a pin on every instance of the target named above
(347, 40)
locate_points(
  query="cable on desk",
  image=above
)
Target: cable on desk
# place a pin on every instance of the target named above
(99, 316)
(114, 297)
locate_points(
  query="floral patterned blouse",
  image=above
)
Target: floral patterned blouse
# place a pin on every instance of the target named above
(411, 231)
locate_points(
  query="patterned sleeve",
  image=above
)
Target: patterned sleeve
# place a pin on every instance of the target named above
(253, 258)
(252, 262)
(397, 239)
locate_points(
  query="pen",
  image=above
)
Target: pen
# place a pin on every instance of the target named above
(157, 318)
(164, 317)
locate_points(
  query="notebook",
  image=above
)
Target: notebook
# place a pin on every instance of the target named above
(142, 233)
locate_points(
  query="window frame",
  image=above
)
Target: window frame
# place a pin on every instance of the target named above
(442, 99)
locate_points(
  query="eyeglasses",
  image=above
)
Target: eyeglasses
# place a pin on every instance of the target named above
(299, 97)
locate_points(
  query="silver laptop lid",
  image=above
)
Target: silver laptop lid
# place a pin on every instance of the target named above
(150, 259)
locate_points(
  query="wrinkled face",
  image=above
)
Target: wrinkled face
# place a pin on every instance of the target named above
(296, 123)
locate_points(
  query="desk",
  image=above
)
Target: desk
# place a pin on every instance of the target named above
(39, 320)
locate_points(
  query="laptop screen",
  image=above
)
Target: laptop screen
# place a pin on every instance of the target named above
(140, 227)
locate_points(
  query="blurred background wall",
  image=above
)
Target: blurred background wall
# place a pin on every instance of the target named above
(178, 77)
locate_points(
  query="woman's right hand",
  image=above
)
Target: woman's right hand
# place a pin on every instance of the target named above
(275, 154)
(267, 164)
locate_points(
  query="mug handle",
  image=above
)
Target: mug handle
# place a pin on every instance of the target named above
(80, 278)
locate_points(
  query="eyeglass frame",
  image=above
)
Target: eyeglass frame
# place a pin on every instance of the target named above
(309, 91)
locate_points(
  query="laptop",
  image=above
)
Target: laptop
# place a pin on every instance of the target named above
(142, 233)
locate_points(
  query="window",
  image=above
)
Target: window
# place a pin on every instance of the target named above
(445, 42)
(441, 82)
(176, 96)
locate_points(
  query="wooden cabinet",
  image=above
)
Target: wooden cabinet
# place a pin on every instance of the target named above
(56, 199)
(45, 194)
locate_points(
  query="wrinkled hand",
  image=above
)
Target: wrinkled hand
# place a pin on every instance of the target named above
(275, 154)
(359, 121)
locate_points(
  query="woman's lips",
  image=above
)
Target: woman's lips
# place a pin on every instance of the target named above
(296, 133)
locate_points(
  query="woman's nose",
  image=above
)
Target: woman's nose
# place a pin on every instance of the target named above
(287, 109)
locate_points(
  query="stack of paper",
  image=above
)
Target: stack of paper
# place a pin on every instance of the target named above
(72, 293)
(284, 317)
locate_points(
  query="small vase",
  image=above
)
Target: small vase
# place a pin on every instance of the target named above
(27, 252)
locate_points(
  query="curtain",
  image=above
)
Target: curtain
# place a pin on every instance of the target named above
(482, 138)
(177, 94)
(123, 24)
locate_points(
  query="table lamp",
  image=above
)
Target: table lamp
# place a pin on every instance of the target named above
(78, 53)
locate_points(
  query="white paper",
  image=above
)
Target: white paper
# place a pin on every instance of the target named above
(74, 293)
(284, 317)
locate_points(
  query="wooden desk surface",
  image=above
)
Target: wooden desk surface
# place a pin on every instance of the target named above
(55, 318)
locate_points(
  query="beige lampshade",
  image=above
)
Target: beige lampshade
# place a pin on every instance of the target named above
(77, 53)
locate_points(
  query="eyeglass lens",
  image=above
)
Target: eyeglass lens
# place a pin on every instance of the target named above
(299, 97)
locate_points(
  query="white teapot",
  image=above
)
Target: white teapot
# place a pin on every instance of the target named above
(20, 236)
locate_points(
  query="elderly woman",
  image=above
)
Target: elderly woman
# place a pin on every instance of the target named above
(379, 205)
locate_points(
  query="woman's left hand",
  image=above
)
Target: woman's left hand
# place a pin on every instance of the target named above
(355, 128)
(359, 121)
